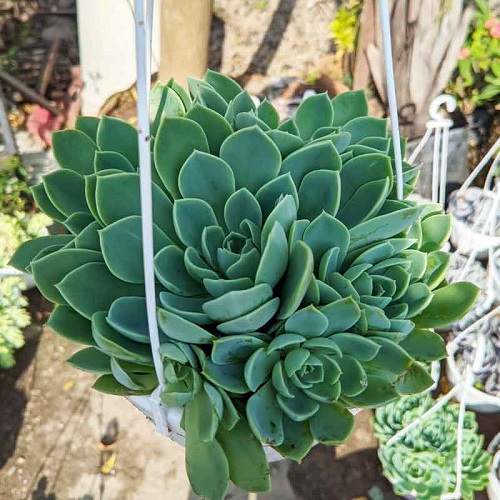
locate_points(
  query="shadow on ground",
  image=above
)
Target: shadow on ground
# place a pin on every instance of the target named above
(13, 399)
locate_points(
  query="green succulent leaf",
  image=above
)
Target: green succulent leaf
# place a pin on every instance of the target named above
(314, 112)
(448, 304)
(74, 150)
(332, 424)
(91, 360)
(118, 136)
(68, 323)
(349, 105)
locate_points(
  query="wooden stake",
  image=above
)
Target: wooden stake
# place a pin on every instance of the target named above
(185, 34)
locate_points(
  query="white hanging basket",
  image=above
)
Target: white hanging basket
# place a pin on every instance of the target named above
(10, 272)
(494, 269)
(493, 487)
(469, 212)
(476, 400)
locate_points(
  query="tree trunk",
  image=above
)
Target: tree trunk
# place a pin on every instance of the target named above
(185, 34)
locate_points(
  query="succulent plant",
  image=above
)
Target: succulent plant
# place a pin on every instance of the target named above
(15, 227)
(423, 462)
(292, 285)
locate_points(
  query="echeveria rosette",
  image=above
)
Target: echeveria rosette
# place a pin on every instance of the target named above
(292, 285)
(423, 462)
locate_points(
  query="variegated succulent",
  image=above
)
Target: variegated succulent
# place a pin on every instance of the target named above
(423, 463)
(292, 285)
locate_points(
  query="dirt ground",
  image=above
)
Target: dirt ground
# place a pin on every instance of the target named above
(56, 433)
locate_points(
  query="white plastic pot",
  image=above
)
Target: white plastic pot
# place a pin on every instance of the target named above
(475, 203)
(477, 400)
(8, 271)
(494, 269)
(493, 488)
(176, 433)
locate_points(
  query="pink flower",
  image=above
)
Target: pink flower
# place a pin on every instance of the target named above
(463, 53)
(490, 23)
(495, 30)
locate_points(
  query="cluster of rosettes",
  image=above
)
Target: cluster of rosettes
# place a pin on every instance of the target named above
(423, 462)
(292, 285)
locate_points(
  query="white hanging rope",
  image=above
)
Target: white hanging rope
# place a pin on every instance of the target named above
(143, 57)
(391, 93)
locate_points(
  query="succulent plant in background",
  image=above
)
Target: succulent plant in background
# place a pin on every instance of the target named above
(292, 285)
(423, 463)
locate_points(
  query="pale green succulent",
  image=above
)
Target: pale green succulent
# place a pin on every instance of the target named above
(14, 229)
(292, 285)
(423, 462)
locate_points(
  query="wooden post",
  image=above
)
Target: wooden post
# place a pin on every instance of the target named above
(185, 34)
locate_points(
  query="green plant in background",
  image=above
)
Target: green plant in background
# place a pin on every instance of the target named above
(292, 285)
(478, 76)
(14, 230)
(13, 188)
(344, 27)
(423, 462)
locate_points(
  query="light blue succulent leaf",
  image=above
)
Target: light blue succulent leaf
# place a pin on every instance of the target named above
(225, 86)
(118, 196)
(265, 416)
(289, 126)
(298, 439)
(206, 95)
(332, 424)
(242, 205)
(116, 345)
(197, 267)
(172, 274)
(296, 232)
(364, 203)
(251, 321)
(361, 348)
(319, 191)
(313, 294)
(121, 244)
(295, 360)
(88, 125)
(269, 194)
(119, 136)
(417, 296)
(78, 221)
(296, 280)
(173, 352)
(191, 216)
(208, 178)
(245, 267)
(353, 380)
(268, 113)
(418, 262)
(274, 260)
(66, 191)
(309, 322)
(314, 112)
(189, 308)
(281, 382)
(259, 367)
(49, 270)
(43, 202)
(378, 143)
(322, 234)
(349, 105)
(299, 408)
(128, 316)
(390, 357)
(219, 287)
(382, 227)
(253, 157)
(230, 416)
(285, 213)
(178, 328)
(110, 160)
(324, 132)
(285, 341)
(237, 303)
(215, 126)
(365, 126)
(320, 155)
(250, 119)
(69, 324)
(79, 289)
(379, 391)
(287, 143)
(74, 150)
(235, 349)
(401, 279)
(212, 238)
(228, 377)
(177, 138)
(341, 315)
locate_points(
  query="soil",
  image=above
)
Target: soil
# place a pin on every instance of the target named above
(62, 440)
